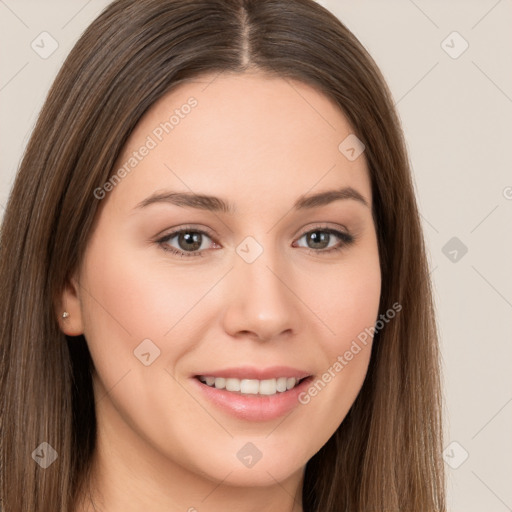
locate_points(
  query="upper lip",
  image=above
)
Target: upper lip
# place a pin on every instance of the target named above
(252, 372)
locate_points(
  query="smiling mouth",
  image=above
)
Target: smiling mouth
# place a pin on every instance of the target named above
(266, 387)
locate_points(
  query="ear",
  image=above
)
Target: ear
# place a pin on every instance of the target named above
(69, 301)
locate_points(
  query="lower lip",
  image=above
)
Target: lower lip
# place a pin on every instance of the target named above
(254, 407)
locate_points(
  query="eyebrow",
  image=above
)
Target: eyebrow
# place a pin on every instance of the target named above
(216, 204)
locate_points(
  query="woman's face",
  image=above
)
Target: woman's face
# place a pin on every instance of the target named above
(277, 285)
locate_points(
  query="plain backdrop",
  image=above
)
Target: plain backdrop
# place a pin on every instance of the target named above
(448, 66)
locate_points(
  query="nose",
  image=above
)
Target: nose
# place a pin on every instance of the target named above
(260, 299)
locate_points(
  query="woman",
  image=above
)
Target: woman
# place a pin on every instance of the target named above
(294, 366)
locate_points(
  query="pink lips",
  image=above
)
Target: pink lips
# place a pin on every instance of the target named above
(251, 372)
(254, 407)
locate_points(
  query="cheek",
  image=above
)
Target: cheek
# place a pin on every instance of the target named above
(346, 298)
(347, 304)
(132, 296)
(120, 306)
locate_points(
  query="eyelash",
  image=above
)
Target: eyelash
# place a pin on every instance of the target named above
(346, 240)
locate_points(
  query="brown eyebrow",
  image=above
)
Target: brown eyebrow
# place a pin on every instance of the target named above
(323, 198)
(216, 204)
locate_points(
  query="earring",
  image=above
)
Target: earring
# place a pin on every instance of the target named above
(65, 314)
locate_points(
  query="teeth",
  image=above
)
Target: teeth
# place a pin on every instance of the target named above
(220, 383)
(251, 386)
(231, 384)
(281, 384)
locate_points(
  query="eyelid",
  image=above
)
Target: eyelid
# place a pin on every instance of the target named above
(178, 229)
(321, 225)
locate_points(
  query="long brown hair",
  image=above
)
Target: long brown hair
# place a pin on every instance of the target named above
(386, 454)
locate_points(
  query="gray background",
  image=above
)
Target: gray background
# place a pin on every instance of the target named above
(456, 112)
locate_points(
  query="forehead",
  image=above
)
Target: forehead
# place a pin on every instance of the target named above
(241, 134)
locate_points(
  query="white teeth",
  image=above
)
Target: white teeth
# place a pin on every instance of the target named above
(232, 384)
(268, 387)
(281, 384)
(251, 386)
(220, 383)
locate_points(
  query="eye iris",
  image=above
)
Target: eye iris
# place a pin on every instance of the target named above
(192, 241)
(320, 239)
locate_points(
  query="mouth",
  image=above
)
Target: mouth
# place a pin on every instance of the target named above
(264, 387)
(254, 400)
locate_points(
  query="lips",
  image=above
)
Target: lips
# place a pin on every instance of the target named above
(254, 373)
(252, 407)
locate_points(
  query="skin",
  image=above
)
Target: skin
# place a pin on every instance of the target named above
(260, 143)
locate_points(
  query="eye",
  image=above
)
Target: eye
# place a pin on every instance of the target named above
(193, 242)
(323, 239)
(190, 242)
